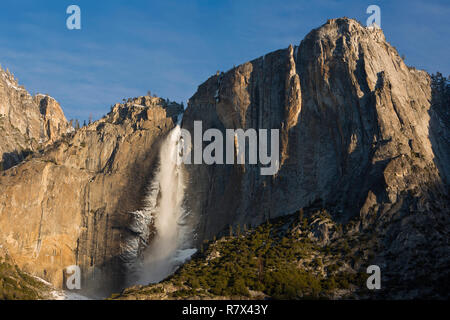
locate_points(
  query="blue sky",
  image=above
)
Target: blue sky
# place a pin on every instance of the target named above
(126, 48)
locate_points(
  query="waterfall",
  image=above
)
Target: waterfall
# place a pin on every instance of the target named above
(170, 245)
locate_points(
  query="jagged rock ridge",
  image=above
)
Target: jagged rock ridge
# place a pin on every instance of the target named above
(26, 123)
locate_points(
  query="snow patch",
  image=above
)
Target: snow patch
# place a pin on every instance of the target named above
(57, 294)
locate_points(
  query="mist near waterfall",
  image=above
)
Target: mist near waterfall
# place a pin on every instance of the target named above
(170, 245)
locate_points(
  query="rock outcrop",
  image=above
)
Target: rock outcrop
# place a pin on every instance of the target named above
(71, 204)
(355, 132)
(55, 124)
(26, 123)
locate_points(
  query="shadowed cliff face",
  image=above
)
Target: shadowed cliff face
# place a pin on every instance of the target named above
(71, 204)
(354, 130)
(26, 123)
(440, 124)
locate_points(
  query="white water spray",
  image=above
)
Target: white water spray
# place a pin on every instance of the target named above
(170, 244)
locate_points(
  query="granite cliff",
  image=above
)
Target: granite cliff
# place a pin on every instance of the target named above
(360, 136)
(27, 122)
(71, 203)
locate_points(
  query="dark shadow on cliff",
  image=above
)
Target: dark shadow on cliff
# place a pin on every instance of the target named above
(10, 159)
(439, 126)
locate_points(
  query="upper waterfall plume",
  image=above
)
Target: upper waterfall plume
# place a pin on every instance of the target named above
(170, 244)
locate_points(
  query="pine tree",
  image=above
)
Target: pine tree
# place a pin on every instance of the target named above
(440, 88)
(260, 268)
(300, 217)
